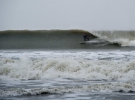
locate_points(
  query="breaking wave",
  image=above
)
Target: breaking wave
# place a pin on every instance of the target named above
(42, 68)
(63, 39)
(31, 73)
(123, 38)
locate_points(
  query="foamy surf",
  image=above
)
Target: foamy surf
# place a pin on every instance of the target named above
(32, 73)
(123, 38)
(66, 68)
(103, 68)
(117, 87)
(87, 65)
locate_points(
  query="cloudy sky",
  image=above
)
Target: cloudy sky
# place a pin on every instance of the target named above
(67, 14)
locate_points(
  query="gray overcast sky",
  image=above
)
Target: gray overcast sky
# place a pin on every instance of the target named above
(67, 14)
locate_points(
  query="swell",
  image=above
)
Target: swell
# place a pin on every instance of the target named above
(64, 39)
(49, 39)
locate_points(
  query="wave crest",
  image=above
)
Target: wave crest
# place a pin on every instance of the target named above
(123, 38)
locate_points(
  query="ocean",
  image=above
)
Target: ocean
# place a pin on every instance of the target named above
(57, 64)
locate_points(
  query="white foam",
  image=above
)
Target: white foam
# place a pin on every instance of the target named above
(117, 67)
(96, 87)
(122, 38)
(27, 68)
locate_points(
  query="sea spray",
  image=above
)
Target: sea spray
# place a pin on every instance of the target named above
(123, 38)
(66, 68)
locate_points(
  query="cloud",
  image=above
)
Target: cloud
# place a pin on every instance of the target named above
(65, 14)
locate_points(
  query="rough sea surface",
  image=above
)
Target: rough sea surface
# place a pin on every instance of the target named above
(100, 69)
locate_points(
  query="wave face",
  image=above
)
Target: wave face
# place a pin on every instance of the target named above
(48, 39)
(64, 39)
(123, 38)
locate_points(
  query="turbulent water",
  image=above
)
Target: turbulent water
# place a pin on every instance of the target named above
(59, 67)
(123, 38)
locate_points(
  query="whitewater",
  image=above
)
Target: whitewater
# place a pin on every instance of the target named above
(33, 72)
(123, 38)
(36, 65)
(50, 64)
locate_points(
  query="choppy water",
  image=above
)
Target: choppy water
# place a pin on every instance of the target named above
(39, 65)
(71, 74)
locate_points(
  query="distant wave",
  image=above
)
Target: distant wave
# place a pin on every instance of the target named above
(63, 39)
